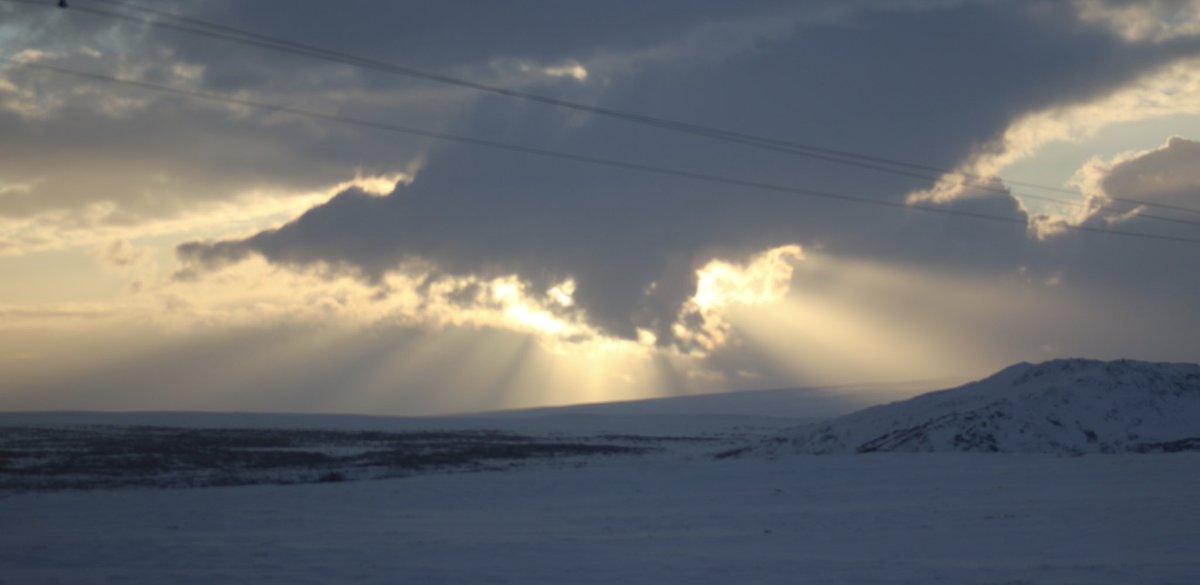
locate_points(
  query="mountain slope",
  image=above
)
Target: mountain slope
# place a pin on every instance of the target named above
(813, 403)
(1062, 406)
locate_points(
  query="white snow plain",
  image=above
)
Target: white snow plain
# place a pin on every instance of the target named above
(672, 515)
(837, 519)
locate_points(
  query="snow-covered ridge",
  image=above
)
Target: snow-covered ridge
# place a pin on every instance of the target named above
(1063, 406)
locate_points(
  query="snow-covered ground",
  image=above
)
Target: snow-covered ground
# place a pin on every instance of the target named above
(887, 519)
(628, 493)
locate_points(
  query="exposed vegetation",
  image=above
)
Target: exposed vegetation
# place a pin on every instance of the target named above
(86, 457)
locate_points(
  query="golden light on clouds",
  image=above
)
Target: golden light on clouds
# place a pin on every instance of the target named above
(420, 345)
(721, 285)
(1169, 91)
(496, 341)
(764, 279)
(99, 224)
(499, 343)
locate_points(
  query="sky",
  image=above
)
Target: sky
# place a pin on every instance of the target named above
(206, 222)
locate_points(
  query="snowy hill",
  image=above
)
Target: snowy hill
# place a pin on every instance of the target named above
(813, 403)
(1062, 406)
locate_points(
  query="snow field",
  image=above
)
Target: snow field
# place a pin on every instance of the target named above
(885, 519)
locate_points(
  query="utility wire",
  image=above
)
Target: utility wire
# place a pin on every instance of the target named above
(581, 158)
(223, 32)
(914, 170)
(235, 35)
(789, 147)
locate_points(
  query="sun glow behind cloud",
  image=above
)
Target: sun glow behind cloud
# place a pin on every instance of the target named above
(408, 344)
(321, 340)
(722, 285)
(422, 345)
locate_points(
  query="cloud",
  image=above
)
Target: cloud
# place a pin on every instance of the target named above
(571, 69)
(632, 244)
(100, 154)
(101, 222)
(1144, 20)
(94, 156)
(1168, 175)
(1164, 180)
(1171, 90)
(1139, 270)
(121, 254)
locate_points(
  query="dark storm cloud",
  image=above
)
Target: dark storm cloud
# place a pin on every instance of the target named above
(465, 34)
(887, 83)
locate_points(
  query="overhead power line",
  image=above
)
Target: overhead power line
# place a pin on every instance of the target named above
(176, 22)
(580, 158)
